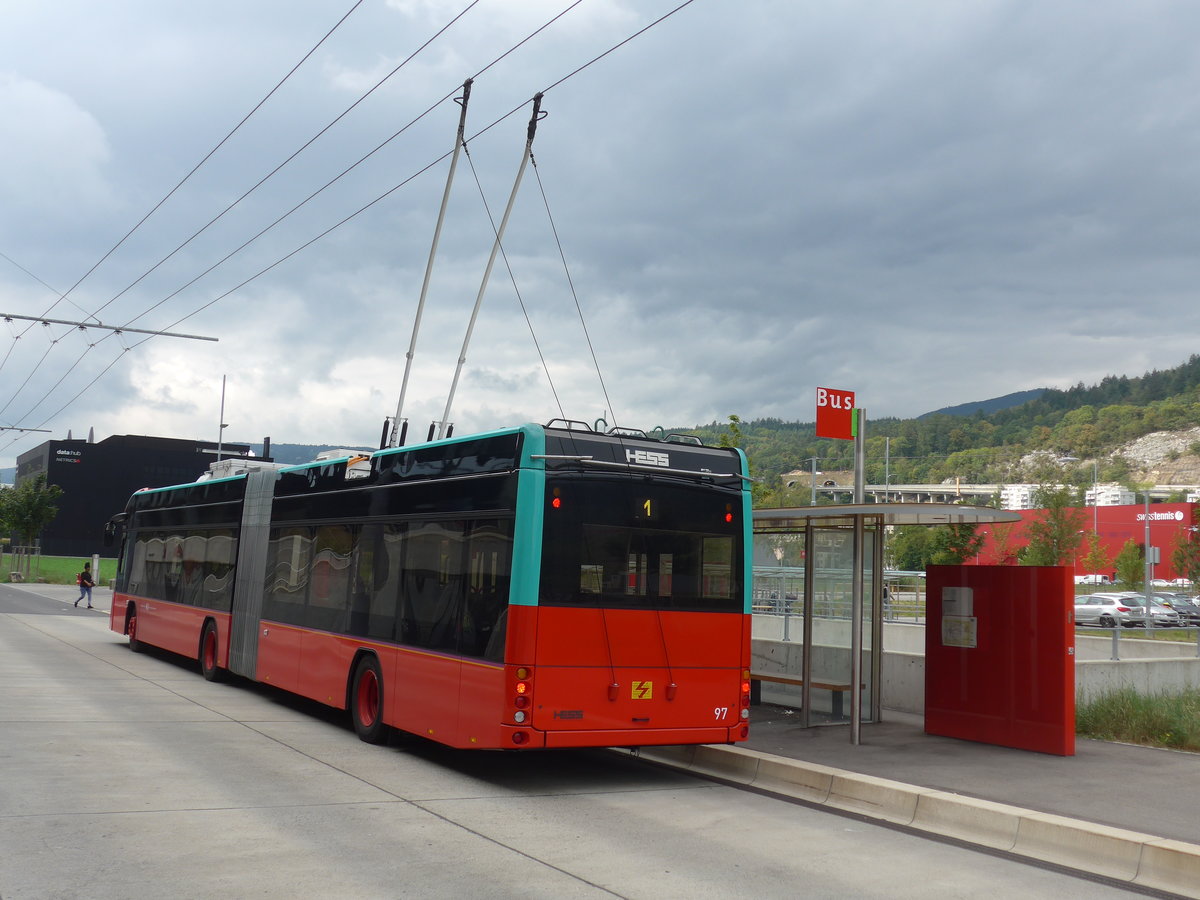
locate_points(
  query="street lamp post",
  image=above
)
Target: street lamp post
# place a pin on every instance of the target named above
(813, 498)
(1148, 571)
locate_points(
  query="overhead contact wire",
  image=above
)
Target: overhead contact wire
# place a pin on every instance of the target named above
(65, 295)
(520, 300)
(205, 159)
(354, 165)
(387, 193)
(571, 283)
(281, 165)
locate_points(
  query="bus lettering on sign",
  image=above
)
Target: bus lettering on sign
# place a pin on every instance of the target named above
(835, 414)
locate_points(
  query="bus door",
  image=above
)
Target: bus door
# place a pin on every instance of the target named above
(428, 571)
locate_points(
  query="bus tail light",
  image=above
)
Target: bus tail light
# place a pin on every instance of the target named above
(745, 690)
(522, 693)
(520, 737)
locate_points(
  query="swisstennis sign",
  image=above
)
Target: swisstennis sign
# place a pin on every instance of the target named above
(835, 414)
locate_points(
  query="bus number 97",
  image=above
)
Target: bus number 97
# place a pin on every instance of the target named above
(721, 712)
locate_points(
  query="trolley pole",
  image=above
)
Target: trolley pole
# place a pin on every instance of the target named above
(487, 273)
(459, 143)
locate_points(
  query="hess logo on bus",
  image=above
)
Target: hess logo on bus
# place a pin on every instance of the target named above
(647, 458)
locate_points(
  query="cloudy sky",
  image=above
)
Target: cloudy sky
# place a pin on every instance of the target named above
(927, 202)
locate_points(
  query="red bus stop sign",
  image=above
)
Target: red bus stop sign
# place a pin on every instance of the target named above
(835, 414)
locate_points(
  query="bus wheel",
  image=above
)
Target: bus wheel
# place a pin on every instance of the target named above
(208, 653)
(366, 701)
(131, 629)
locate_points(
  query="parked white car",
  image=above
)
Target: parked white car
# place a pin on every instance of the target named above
(1160, 616)
(1108, 611)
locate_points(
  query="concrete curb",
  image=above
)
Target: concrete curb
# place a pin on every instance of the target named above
(1142, 859)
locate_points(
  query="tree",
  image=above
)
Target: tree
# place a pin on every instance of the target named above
(1130, 566)
(733, 436)
(1097, 559)
(1186, 556)
(1056, 534)
(29, 507)
(909, 547)
(1002, 536)
(953, 545)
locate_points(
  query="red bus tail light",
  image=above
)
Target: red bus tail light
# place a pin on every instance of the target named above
(522, 693)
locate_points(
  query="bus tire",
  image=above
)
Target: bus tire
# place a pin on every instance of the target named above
(131, 628)
(209, 653)
(366, 701)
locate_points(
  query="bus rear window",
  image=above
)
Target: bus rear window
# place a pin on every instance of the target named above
(603, 549)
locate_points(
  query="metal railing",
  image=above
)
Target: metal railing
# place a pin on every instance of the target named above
(1154, 633)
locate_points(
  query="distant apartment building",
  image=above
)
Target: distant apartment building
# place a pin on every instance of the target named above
(1109, 495)
(1017, 496)
(97, 480)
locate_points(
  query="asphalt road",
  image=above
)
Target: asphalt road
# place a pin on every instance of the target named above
(128, 776)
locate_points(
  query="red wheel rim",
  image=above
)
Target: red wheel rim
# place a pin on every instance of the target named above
(210, 649)
(368, 698)
(133, 629)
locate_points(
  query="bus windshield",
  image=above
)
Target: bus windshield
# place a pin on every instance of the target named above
(641, 545)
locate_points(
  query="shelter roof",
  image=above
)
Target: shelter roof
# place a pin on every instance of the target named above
(794, 518)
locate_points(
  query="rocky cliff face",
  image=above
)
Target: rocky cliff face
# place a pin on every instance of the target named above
(1164, 457)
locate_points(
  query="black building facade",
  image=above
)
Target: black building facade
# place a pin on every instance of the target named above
(98, 478)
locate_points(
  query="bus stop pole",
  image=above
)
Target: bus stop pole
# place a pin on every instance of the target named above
(810, 581)
(856, 598)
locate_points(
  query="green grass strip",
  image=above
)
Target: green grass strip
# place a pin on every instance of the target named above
(1162, 720)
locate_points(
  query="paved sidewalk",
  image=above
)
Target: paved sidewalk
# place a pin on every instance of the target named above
(1139, 788)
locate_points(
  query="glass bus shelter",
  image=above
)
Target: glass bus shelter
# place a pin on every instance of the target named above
(819, 598)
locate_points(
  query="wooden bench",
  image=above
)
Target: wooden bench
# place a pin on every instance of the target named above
(838, 690)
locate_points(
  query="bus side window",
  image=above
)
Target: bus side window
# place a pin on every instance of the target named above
(288, 558)
(489, 570)
(218, 570)
(329, 584)
(432, 594)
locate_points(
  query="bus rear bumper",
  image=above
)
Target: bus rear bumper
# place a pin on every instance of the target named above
(650, 737)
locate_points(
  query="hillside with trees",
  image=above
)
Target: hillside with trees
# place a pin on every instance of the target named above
(1090, 425)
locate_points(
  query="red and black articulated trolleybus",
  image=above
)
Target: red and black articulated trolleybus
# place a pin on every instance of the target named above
(540, 586)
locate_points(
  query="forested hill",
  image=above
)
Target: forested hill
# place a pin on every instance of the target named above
(1114, 390)
(988, 406)
(1087, 423)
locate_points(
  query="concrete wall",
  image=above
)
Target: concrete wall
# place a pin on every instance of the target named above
(1095, 677)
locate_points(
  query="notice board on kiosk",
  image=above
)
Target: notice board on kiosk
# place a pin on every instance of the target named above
(1000, 656)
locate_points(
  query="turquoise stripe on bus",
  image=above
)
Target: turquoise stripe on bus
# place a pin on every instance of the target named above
(189, 484)
(483, 435)
(747, 536)
(531, 509)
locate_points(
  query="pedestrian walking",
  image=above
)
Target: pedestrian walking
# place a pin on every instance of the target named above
(85, 582)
